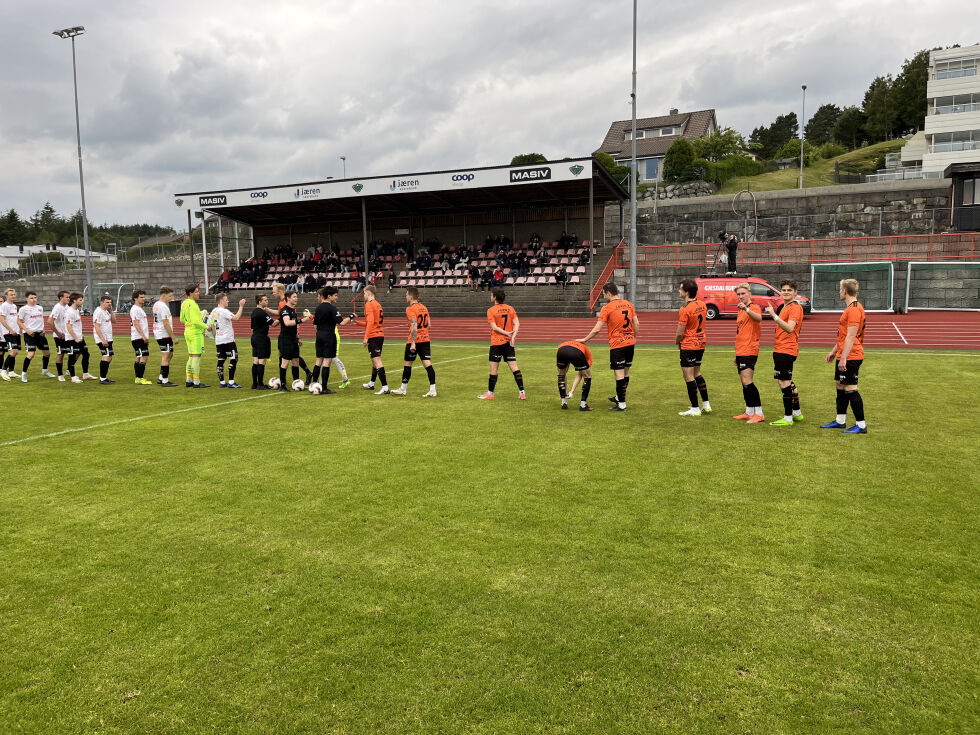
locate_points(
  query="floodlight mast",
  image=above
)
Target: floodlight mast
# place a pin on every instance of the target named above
(71, 33)
(633, 173)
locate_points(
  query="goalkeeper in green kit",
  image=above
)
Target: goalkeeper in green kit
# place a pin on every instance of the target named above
(194, 326)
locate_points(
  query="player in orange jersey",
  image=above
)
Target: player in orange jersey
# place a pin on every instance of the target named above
(786, 348)
(504, 326)
(692, 340)
(849, 354)
(418, 343)
(748, 329)
(577, 355)
(622, 326)
(374, 339)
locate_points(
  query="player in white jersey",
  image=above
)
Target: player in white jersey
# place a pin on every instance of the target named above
(8, 314)
(3, 344)
(31, 321)
(222, 322)
(102, 320)
(75, 338)
(56, 320)
(139, 335)
(163, 333)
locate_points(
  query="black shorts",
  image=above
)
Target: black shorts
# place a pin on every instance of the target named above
(691, 358)
(423, 351)
(782, 365)
(746, 362)
(106, 349)
(288, 349)
(166, 344)
(71, 347)
(850, 375)
(503, 352)
(261, 347)
(60, 346)
(227, 351)
(573, 356)
(141, 347)
(621, 358)
(12, 340)
(326, 346)
(375, 345)
(38, 342)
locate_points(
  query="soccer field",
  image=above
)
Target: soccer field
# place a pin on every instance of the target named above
(233, 561)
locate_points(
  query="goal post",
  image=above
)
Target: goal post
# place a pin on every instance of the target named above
(942, 285)
(876, 278)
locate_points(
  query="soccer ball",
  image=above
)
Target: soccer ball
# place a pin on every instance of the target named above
(316, 388)
(274, 383)
(298, 384)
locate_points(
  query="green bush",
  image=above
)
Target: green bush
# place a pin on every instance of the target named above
(718, 172)
(829, 150)
(678, 161)
(791, 149)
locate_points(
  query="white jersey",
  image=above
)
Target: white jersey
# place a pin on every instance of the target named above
(8, 312)
(137, 317)
(74, 318)
(103, 320)
(58, 313)
(33, 317)
(161, 317)
(224, 326)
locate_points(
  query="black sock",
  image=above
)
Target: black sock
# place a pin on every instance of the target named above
(857, 405)
(44, 361)
(692, 393)
(85, 358)
(165, 371)
(302, 364)
(754, 396)
(60, 366)
(221, 371)
(295, 372)
(374, 374)
(72, 359)
(232, 366)
(621, 390)
(702, 387)
(519, 379)
(561, 387)
(316, 374)
(282, 376)
(842, 399)
(27, 362)
(262, 374)
(788, 400)
(103, 370)
(492, 383)
(142, 369)
(255, 375)
(325, 375)
(796, 396)
(586, 387)
(382, 377)
(8, 363)
(746, 395)
(626, 386)
(431, 372)
(406, 374)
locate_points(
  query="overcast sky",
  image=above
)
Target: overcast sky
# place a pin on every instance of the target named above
(215, 94)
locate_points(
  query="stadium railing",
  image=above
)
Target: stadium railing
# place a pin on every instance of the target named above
(606, 274)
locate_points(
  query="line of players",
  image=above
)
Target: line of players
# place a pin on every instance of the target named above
(618, 316)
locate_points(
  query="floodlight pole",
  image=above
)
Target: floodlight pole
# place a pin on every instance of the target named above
(71, 33)
(633, 176)
(190, 244)
(802, 134)
(344, 159)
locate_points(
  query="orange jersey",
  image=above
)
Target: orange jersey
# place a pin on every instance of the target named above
(281, 304)
(374, 320)
(692, 317)
(789, 342)
(581, 347)
(853, 316)
(420, 314)
(503, 316)
(747, 332)
(618, 315)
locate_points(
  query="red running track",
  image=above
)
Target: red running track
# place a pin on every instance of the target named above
(920, 330)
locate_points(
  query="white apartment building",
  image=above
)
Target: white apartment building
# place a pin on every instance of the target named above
(952, 130)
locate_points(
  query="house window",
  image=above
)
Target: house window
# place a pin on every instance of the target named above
(971, 192)
(639, 134)
(651, 170)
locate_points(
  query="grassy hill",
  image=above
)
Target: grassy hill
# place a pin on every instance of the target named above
(817, 174)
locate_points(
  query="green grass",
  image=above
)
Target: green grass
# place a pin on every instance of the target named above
(817, 174)
(358, 563)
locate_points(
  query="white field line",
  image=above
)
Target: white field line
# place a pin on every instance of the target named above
(176, 411)
(900, 333)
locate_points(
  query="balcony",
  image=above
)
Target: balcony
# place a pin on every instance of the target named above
(955, 146)
(953, 109)
(970, 71)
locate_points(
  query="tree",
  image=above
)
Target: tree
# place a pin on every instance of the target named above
(618, 171)
(678, 161)
(878, 109)
(791, 149)
(820, 129)
(723, 142)
(13, 231)
(526, 159)
(908, 95)
(773, 137)
(849, 129)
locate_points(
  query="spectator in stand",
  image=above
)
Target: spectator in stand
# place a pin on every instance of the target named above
(486, 279)
(498, 277)
(359, 282)
(473, 275)
(584, 257)
(561, 277)
(535, 241)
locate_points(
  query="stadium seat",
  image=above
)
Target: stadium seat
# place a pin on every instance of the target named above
(430, 282)
(440, 282)
(542, 281)
(537, 272)
(574, 280)
(509, 281)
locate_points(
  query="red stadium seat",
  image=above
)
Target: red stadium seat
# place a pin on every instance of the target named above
(575, 280)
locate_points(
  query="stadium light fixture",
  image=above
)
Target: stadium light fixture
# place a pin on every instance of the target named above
(802, 133)
(344, 159)
(72, 33)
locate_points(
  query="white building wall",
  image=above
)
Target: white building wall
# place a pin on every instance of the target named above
(958, 122)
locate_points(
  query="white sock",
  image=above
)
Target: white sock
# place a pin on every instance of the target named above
(404, 386)
(797, 412)
(788, 419)
(706, 405)
(749, 411)
(432, 387)
(862, 424)
(842, 418)
(622, 404)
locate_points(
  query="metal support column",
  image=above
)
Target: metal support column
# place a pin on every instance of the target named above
(221, 247)
(204, 252)
(591, 239)
(238, 259)
(365, 233)
(190, 245)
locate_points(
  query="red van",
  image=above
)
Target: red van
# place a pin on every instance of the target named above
(718, 294)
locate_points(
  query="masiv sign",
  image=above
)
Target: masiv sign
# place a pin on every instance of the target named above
(531, 174)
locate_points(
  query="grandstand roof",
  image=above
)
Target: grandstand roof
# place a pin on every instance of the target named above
(458, 191)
